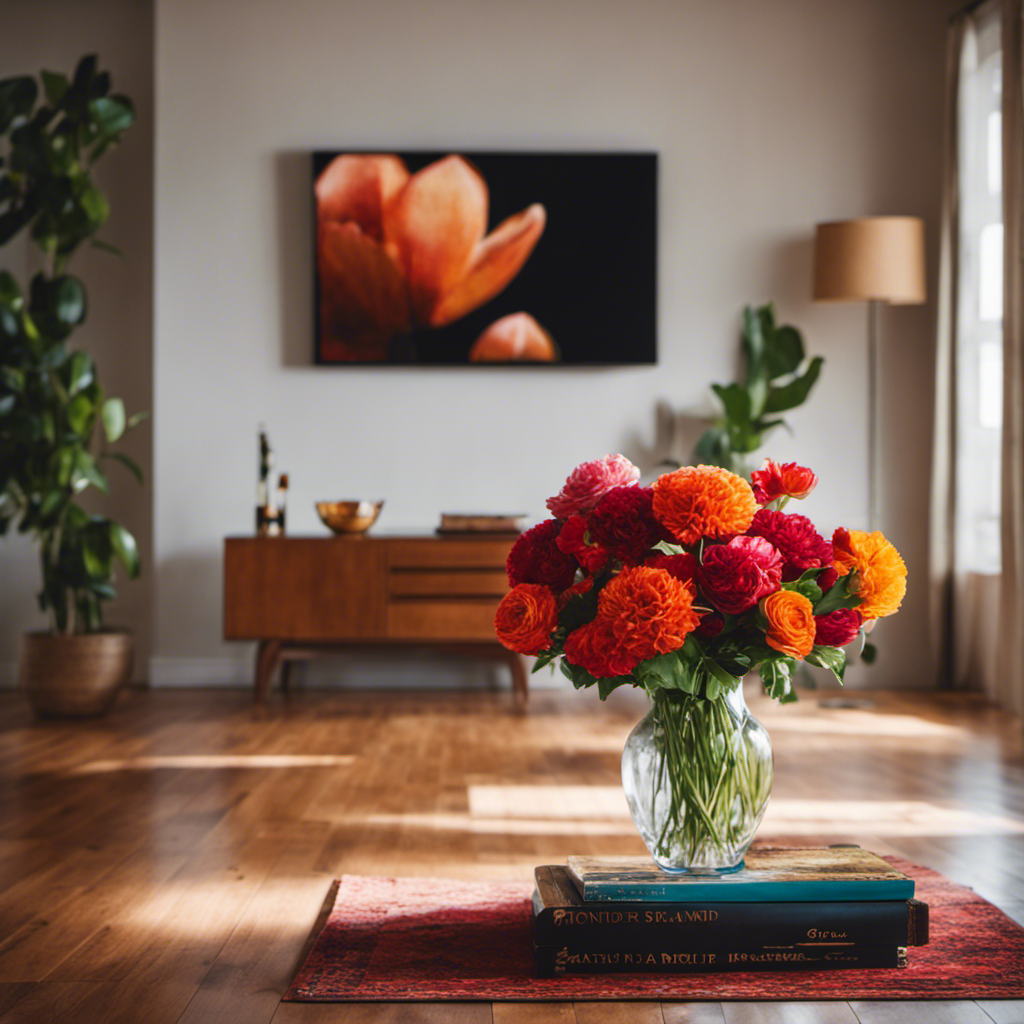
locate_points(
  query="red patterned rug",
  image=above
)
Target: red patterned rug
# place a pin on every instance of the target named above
(420, 939)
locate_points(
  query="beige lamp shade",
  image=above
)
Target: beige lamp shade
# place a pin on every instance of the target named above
(870, 258)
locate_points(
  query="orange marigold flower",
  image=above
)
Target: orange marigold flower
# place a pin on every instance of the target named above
(703, 501)
(791, 623)
(651, 612)
(526, 618)
(881, 579)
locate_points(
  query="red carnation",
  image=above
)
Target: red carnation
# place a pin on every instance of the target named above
(735, 576)
(536, 558)
(684, 566)
(838, 628)
(596, 648)
(623, 523)
(574, 540)
(802, 547)
(789, 480)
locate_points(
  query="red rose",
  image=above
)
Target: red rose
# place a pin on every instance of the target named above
(623, 523)
(526, 618)
(789, 480)
(838, 628)
(735, 576)
(536, 558)
(801, 546)
(596, 648)
(573, 540)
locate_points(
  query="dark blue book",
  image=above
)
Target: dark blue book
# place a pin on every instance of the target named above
(561, 918)
(769, 875)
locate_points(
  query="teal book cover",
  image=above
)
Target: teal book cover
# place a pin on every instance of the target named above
(769, 875)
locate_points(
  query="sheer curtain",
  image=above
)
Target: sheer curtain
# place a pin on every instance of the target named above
(978, 478)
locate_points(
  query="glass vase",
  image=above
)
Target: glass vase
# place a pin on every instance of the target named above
(697, 775)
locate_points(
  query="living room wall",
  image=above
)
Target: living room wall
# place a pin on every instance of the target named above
(119, 328)
(767, 117)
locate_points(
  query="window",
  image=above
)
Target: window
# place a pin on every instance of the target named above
(979, 354)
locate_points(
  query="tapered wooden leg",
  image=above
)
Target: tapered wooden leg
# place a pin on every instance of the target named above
(267, 657)
(520, 678)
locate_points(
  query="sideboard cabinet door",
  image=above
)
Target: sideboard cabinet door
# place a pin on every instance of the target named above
(303, 588)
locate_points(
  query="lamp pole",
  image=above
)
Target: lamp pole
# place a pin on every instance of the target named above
(873, 431)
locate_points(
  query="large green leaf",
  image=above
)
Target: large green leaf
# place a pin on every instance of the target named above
(839, 596)
(112, 117)
(81, 411)
(753, 343)
(113, 418)
(80, 372)
(832, 658)
(610, 683)
(795, 393)
(129, 463)
(736, 401)
(783, 352)
(57, 305)
(580, 677)
(88, 472)
(17, 97)
(777, 676)
(55, 85)
(125, 548)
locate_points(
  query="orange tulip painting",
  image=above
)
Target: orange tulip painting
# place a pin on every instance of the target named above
(397, 250)
(484, 258)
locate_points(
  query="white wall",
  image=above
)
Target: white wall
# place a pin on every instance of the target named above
(119, 328)
(768, 118)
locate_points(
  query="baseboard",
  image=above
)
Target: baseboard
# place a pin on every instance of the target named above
(347, 671)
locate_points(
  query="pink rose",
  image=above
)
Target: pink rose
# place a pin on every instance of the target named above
(735, 576)
(589, 482)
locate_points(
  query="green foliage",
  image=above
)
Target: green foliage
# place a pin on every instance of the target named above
(775, 380)
(51, 400)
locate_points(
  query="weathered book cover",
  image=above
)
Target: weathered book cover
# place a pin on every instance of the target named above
(770, 875)
(552, 961)
(563, 918)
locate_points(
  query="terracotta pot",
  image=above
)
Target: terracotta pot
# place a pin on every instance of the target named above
(76, 675)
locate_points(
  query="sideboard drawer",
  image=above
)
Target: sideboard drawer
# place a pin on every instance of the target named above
(468, 619)
(448, 552)
(447, 583)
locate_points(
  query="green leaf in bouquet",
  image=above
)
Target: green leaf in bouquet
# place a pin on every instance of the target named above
(579, 610)
(543, 660)
(605, 686)
(719, 680)
(808, 588)
(832, 658)
(579, 677)
(840, 596)
(672, 671)
(777, 676)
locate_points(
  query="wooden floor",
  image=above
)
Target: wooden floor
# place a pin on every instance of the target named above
(168, 863)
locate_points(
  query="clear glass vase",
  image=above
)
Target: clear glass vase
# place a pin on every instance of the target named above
(697, 775)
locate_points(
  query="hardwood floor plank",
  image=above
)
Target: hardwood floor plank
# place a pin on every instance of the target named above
(1003, 1011)
(10, 993)
(692, 1013)
(58, 1002)
(789, 1013)
(618, 1013)
(257, 963)
(533, 1013)
(383, 1013)
(914, 1012)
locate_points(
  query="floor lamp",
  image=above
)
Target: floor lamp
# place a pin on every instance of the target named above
(873, 260)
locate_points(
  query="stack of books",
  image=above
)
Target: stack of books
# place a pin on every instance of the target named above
(460, 523)
(786, 909)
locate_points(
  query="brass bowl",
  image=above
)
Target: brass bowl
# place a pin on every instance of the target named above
(348, 516)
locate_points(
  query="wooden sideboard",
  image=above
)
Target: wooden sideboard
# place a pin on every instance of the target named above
(298, 596)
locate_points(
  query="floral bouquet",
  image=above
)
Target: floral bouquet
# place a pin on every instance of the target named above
(682, 588)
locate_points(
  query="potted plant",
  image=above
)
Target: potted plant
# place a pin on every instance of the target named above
(56, 422)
